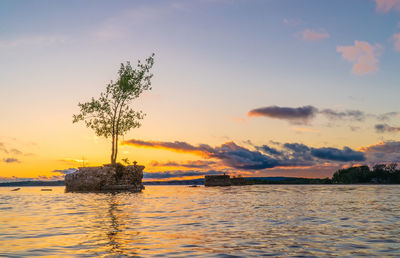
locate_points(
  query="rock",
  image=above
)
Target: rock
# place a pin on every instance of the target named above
(106, 178)
(225, 180)
(217, 180)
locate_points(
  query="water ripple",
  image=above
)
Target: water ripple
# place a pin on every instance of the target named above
(179, 221)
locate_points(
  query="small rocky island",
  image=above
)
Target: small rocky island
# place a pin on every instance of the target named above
(107, 178)
(225, 180)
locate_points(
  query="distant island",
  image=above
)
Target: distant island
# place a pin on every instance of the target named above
(379, 174)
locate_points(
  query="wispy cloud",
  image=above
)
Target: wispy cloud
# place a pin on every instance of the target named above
(11, 160)
(292, 22)
(186, 164)
(387, 116)
(382, 128)
(314, 36)
(340, 115)
(396, 38)
(125, 23)
(3, 148)
(304, 130)
(178, 173)
(69, 160)
(65, 171)
(40, 40)
(362, 55)
(387, 5)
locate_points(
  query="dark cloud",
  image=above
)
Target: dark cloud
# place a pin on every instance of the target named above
(300, 115)
(269, 150)
(229, 153)
(11, 160)
(348, 114)
(344, 155)
(238, 157)
(187, 164)
(65, 171)
(178, 173)
(304, 115)
(296, 147)
(383, 128)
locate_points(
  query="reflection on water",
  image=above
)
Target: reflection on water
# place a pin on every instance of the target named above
(277, 220)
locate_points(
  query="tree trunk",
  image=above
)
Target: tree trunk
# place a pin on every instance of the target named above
(112, 150)
(117, 130)
(116, 149)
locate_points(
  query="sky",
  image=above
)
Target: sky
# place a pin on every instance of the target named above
(252, 88)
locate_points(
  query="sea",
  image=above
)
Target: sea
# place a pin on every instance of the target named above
(183, 221)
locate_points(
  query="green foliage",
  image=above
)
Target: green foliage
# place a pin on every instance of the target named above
(126, 161)
(381, 173)
(111, 114)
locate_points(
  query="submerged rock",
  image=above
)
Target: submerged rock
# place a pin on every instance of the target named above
(107, 178)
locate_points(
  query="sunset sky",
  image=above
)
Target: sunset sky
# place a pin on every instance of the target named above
(256, 88)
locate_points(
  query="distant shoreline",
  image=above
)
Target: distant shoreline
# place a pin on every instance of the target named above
(256, 180)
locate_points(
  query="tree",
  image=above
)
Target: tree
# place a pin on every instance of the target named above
(111, 114)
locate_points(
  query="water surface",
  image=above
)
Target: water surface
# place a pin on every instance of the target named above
(180, 221)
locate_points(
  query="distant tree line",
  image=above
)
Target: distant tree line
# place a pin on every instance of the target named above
(380, 173)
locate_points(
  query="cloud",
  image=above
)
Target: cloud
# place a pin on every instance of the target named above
(314, 36)
(362, 55)
(387, 5)
(178, 173)
(187, 164)
(177, 146)
(350, 114)
(387, 116)
(344, 155)
(263, 157)
(269, 150)
(132, 20)
(11, 160)
(41, 41)
(383, 147)
(382, 128)
(300, 115)
(16, 152)
(296, 147)
(396, 38)
(383, 152)
(3, 148)
(301, 154)
(229, 153)
(292, 22)
(304, 130)
(65, 171)
(69, 160)
(304, 115)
